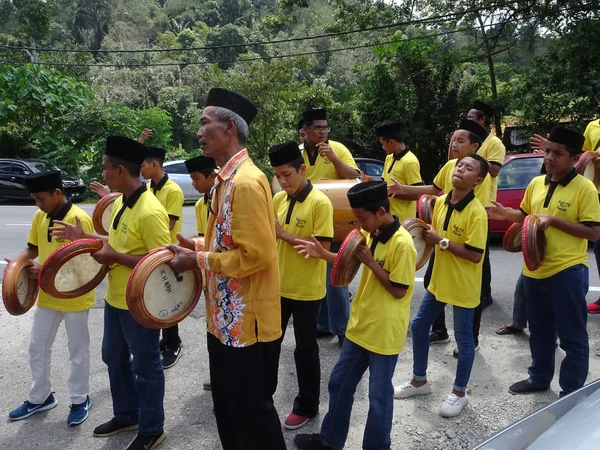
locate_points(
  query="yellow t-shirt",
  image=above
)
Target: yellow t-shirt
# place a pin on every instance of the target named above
(455, 280)
(443, 181)
(38, 237)
(404, 168)
(143, 226)
(493, 150)
(574, 200)
(311, 215)
(201, 209)
(592, 138)
(323, 168)
(170, 195)
(378, 321)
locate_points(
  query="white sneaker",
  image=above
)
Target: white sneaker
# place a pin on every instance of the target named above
(407, 390)
(453, 405)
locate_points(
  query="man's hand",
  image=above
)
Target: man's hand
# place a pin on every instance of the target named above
(310, 249)
(364, 177)
(186, 243)
(538, 143)
(431, 236)
(184, 259)
(99, 188)
(67, 230)
(145, 135)
(395, 189)
(326, 151)
(33, 270)
(106, 255)
(546, 221)
(496, 211)
(364, 255)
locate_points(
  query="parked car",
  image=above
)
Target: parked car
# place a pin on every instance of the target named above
(568, 423)
(13, 173)
(371, 167)
(515, 175)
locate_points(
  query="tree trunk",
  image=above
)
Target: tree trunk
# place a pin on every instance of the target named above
(33, 54)
(490, 61)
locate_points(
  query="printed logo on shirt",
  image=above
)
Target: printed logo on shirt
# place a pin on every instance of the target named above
(300, 223)
(380, 262)
(457, 231)
(124, 228)
(563, 206)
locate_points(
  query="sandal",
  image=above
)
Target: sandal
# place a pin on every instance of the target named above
(508, 329)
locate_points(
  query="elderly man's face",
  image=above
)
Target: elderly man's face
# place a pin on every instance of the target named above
(212, 135)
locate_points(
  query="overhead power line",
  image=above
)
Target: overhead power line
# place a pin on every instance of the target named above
(424, 21)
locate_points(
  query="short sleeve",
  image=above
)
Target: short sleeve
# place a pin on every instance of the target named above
(526, 202)
(155, 230)
(86, 224)
(588, 209)
(440, 179)
(402, 268)
(174, 203)
(412, 172)
(588, 145)
(345, 156)
(496, 152)
(33, 237)
(476, 236)
(323, 223)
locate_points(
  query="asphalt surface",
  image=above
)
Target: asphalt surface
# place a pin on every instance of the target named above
(190, 423)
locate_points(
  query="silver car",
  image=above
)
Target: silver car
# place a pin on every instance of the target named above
(179, 174)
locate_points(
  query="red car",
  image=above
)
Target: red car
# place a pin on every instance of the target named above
(515, 175)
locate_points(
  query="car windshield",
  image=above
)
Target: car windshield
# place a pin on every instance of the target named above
(518, 172)
(42, 166)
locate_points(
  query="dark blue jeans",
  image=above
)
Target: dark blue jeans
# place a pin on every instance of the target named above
(137, 384)
(347, 373)
(556, 307)
(519, 318)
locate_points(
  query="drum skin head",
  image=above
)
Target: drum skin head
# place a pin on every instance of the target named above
(511, 242)
(415, 228)
(19, 292)
(102, 213)
(157, 296)
(346, 265)
(585, 166)
(534, 243)
(70, 271)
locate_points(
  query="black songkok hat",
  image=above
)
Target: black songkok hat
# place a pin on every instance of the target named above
(125, 148)
(47, 181)
(314, 114)
(156, 152)
(300, 125)
(200, 164)
(389, 128)
(367, 193)
(232, 101)
(483, 107)
(572, 139)
(474, 127)
(285, 153)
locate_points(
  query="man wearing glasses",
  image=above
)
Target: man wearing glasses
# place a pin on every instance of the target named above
(331, 160)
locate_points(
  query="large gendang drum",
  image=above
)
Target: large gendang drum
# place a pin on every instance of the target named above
(415, 228)
(343, 218)
(19, 292)
(346, 264)
(102, 213)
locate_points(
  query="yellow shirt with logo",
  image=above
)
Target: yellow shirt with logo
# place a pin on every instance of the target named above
(311, 215)
(574, 200)
(404, 168)
(201, 209)
(455, 280)
(171, 197)
(143, 227)
(322, 168)
(493, 150)
(379, 321)
(443, 182)
(38, 237)
(592, 138)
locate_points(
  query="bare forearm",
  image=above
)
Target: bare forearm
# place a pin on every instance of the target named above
(344, 170)
(591, 233)
(28, 253)
(384, 278)
(127, 260)
(415, 192)
(494, 170)
(463, 252)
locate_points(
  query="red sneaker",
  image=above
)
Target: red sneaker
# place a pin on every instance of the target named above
(294, 421)
(594, 308)
(206, 385)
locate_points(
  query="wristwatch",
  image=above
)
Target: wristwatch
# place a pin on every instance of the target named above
(444, 244)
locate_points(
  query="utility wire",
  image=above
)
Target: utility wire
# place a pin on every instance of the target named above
(427, 20)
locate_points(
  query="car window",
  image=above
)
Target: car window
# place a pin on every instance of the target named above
(42, 166)
(373, 169)
(5, 166)
(178, 168)
(18, 169)
(518, 172)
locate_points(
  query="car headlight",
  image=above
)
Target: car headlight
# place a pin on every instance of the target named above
(80, 182)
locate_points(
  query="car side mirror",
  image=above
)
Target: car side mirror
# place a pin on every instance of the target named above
(26, 172)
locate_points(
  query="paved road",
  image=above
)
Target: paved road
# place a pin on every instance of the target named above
(189, 420)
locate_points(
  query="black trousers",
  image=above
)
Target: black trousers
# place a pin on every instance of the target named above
(171, 336)
(306, 354)
(243, 383)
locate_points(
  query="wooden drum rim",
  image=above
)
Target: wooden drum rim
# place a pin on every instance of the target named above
(584, 161)
(533, 242)
(341, 274)
(10, 295)
(99, 209)
(512, 240)
(409, 225)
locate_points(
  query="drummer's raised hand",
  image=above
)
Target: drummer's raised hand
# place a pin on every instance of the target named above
(496, 211)
(99, 188)
(310, 249)
(364, 255)
(185, 259)
(538, 143)
(67, 230)
(394, 189)
(185, 242)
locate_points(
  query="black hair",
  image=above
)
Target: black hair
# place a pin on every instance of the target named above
(132, 168)
(474, 139)
(480, 114)
(573, 151)
(205, 172)
(158, 160)
(296, 163)
(374, 206)
(484, 167)
(398, 137)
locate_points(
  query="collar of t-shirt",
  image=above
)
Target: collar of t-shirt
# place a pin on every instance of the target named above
(385, 234)
(458, 206)
(161, 183)
(553, 184)
(60, 215)
(300, 197)
(129, 202)
(398, 157)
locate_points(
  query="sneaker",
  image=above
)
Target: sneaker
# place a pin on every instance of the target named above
(407, 390)
(171, 356)
(593, 308)
(79, 412)
(28, 409)
(453, 405)
(438, 338)
(146, 442)
(310, 442)
(455, 352)
(113, 426)
(525, 387)
(206, 385)
(294, 421)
